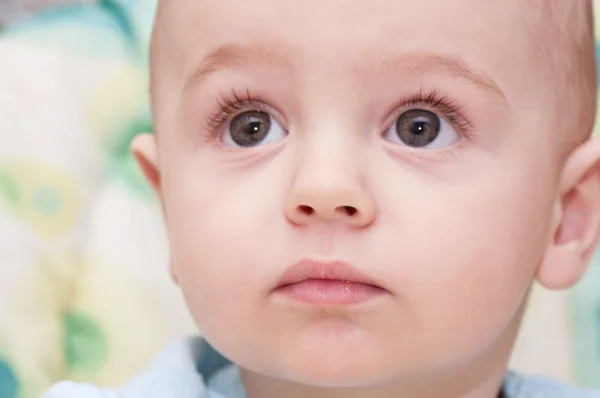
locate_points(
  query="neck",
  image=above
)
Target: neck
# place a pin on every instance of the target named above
(491, 388)
(455, 385)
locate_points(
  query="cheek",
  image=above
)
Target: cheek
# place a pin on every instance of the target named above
(219, 227)
(466, 252)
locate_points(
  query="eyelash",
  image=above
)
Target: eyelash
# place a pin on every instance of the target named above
(437, 102)
(233, 103)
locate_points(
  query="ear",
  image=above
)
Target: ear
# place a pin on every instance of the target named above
(145, 151)
(576, 224)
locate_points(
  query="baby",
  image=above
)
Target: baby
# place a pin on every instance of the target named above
(360, 194)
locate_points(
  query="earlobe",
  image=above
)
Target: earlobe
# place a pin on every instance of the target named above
(577, 220)
(144, 150)
(562, 267)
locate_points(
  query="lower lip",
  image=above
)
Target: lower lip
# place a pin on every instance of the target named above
(330, 292)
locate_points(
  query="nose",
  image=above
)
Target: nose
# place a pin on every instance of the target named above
(330, 191)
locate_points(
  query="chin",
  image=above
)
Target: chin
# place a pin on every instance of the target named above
(336, 372)
(337, 381)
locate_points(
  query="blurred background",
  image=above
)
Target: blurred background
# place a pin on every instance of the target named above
(15, 10)
(84, 289)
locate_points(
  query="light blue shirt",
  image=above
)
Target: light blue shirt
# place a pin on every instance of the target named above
(192, 369)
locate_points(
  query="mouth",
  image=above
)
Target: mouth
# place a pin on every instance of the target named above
(327, 283)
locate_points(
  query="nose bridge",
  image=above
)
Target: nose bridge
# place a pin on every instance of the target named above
(328, 166)
(329, 181)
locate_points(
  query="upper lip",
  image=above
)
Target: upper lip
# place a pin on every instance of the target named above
(308, 269)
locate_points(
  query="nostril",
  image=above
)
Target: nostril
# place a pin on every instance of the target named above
(348, 210)
(306, 210)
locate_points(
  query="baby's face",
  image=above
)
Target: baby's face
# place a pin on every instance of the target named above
(410, 140)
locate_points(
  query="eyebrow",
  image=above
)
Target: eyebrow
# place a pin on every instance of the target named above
(232, 56)
(423, 63)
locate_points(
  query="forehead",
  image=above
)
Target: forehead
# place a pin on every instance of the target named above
(488, 38)
(347, 18)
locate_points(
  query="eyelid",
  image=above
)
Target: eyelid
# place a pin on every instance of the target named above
(440, 104)
(232, 105)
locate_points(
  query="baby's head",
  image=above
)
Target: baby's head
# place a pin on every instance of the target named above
(430, 156)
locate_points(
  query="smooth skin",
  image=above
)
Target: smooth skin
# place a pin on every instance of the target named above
(456, 230)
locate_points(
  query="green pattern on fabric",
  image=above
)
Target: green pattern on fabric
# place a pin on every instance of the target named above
(86, 344)
(47, 201)
(9, 190)
(586, 322)
(123, 166)
(9, 385)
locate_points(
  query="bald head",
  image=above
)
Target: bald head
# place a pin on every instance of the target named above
(560, 36)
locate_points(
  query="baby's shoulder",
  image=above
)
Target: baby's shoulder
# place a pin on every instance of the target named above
(180, 388)
(75, 390)
(174, 372)
(184, 386)
(520, 386)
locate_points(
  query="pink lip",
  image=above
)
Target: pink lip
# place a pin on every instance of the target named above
(327, 283)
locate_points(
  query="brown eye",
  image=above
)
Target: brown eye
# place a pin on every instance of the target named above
(250, 128)
(253, 128)
(419, 128)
